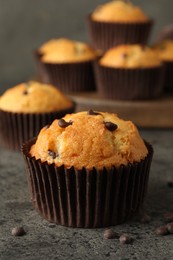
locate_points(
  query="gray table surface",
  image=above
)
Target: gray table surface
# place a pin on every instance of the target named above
(45, 240)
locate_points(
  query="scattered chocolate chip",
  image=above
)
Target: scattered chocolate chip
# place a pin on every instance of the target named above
(170, 184)
(92, 113)
(161, 231)
(145, 219)
(53, 154)
(170, 227)
(168, 216)
(62, 123)
(18, 231)
(110, 126)
(109, 234)
(125, 239)
(27, 84)
(52, 225)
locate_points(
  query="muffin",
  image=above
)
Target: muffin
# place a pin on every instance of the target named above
(118, 22)
(129, 72)
(26, 108)
(67, 64)
(165, 52)
(88, 169)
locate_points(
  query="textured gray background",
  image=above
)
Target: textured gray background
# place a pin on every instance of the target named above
(46, 241)
(24, 25)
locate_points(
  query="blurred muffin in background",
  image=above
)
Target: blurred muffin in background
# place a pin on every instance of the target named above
(67, 64)
(26, 108)
(118, 22)
(165, 51)
(130, 72)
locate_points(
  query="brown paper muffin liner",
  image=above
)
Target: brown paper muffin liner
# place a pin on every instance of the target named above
(71, 77)
(129, 84)
(105, 35)
(68, 77)
(16, 128)
(168, 79)
(42, 75)
(87, 198)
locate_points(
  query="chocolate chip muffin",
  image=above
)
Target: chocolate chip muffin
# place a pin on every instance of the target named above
(131, 56)
(164, 50)
(130, 72)
(26, 108)
(94, 168)
(67, 64)
(118, 22)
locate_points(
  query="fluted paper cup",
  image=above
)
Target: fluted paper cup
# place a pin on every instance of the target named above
(86, 198)
(16, 128)
(105, 35)
(129, 84)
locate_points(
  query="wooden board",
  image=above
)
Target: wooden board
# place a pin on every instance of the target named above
(150, 113)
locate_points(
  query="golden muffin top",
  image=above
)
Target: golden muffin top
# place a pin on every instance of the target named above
(119, 11)
(64, 50)
(33, 97)
(165, 50)
(89, 139)
(130, 56)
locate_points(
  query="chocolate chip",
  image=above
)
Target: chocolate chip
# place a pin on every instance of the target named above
(145, 219)
(62, 123)
(25, 92)
(125, 239)
(110, 126)
(109, 234)
(18, 231)
(27, 84)
(161, 231)
(168, 216)
(53, 154)
(170, 184)
(92, 113)
(170, 227)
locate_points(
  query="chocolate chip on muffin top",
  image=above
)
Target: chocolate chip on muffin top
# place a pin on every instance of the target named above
(62, 123)
(131, 56)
